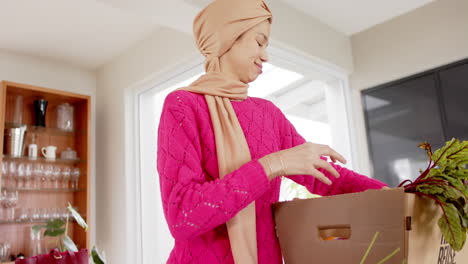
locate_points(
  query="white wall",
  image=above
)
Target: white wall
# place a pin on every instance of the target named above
(59, 76)
(160, 53)
(164, 49)
(296, 31)
(431, 36)
(42, 72)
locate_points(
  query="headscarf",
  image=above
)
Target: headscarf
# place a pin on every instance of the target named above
(216, 28)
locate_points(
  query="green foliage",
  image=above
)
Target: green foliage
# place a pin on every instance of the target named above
(59, 229)
(97, 258)
(444, 182)
(77, 217)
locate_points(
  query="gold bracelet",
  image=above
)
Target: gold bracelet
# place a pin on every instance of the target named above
(269, 166)
(282, 164)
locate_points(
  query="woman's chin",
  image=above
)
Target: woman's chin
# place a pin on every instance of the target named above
(253, 77)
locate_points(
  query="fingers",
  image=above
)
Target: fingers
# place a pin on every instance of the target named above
(317, 174)
(333, 154)
(328, 167)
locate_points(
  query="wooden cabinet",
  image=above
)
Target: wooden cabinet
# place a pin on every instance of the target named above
(41, 194)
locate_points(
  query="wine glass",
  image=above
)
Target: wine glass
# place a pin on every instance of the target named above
(11, 202)
(56, 176)
(3, 206)
(28, 175)
(12, 173)
(38, 171)
(66, 175)
(20, 174)
(75, 175)
(64, 213)
(44, 214)
(5, 173)
(48, 169)
(56, 213)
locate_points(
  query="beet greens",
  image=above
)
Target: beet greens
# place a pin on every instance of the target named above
(444, 181)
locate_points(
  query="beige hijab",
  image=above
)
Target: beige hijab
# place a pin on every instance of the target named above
(216, 28)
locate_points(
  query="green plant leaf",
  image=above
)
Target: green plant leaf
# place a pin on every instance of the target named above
(69, 244)
(445, 181)
(430, 189)
(454, 153)
(451, 227)
(54, 232)
(55, 224)
(97, 258)
(78, 217)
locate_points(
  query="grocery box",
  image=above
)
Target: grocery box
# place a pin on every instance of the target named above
(339, 229)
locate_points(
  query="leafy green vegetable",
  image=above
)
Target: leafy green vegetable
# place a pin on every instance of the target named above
(444, 181)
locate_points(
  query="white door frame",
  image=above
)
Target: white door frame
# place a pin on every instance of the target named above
(174, 74)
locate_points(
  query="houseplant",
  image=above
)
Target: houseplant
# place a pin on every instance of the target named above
(58, 229)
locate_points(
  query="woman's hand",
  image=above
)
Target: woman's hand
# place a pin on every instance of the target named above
(302, 159)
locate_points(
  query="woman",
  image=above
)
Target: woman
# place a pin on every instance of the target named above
(220, 152)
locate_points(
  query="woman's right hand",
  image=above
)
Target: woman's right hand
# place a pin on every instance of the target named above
(302, 160)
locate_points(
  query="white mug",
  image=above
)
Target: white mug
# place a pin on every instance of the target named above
(49, 152)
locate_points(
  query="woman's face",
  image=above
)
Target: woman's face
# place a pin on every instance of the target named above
(245, 58)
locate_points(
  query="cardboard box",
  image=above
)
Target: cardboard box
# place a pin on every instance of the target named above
(404, 221)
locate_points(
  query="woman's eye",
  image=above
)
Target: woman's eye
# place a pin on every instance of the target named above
(260, 45)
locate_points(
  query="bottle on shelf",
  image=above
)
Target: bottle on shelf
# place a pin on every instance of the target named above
(32, 148)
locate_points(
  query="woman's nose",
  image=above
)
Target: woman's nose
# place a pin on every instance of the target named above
(264, 56)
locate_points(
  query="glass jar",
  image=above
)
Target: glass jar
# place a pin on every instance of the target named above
(65, 114)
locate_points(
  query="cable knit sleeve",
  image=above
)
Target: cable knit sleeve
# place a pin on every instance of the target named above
(193, 202)
(348, 182)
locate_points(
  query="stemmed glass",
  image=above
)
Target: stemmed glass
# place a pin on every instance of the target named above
(5, 174)
(38, 171)
(48, 169)
(3, 211)
(66, 175)
(12, 173)
(75, 174)
(56, 176)
(20, 175)
(44, 214)
(28, 175)
(11, 202)
(64, 213)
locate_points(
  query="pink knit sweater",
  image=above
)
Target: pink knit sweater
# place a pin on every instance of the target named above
(197, 203)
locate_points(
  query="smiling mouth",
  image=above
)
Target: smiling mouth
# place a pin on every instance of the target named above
(259, 67)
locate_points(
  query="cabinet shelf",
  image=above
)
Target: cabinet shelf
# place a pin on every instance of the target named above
(43, 160)
(44, 130)
(42, 189)
(26, 222)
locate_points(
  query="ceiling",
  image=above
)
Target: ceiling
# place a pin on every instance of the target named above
(351, 17)
(89, 33)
